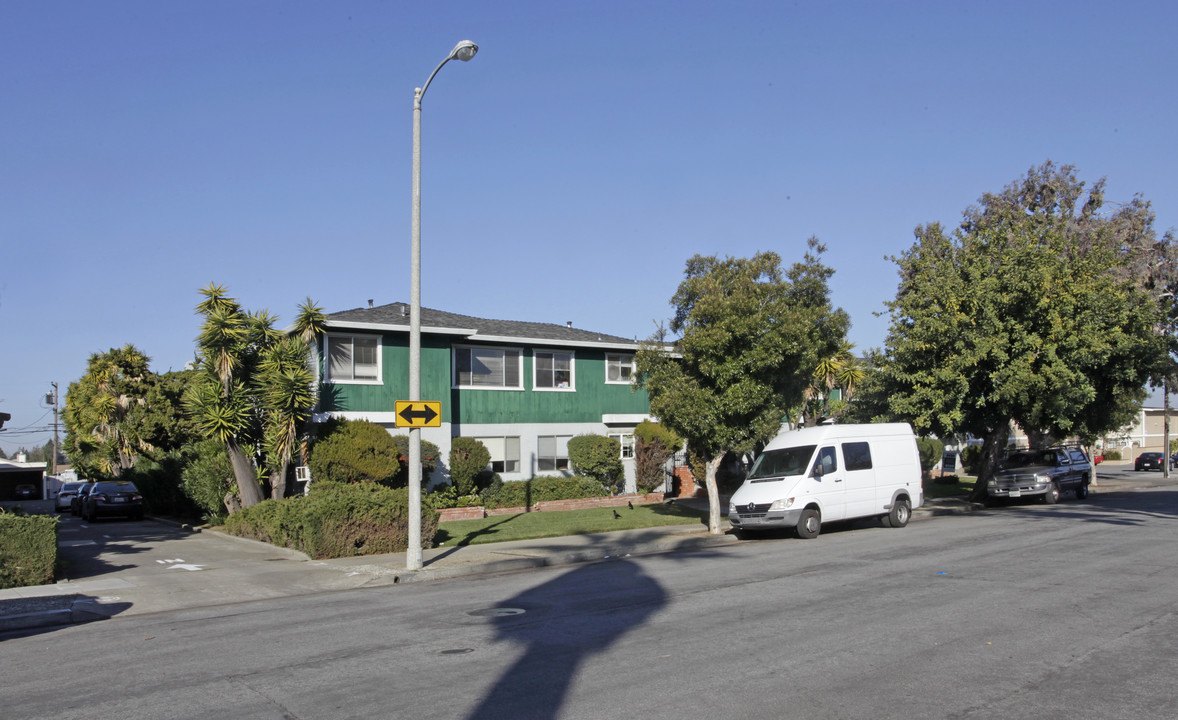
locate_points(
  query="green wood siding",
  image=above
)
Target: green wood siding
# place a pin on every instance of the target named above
(591, 399)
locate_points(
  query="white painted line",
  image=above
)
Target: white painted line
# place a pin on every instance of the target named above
(76, 543)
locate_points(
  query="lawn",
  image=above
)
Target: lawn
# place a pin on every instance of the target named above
(528, 526)
(963, 486)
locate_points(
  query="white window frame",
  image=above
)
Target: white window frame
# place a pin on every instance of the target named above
(572, 356)
(620, 360)
(508, 443)
(626, 440)
(350, 338)
(540, 458)
(519, 359)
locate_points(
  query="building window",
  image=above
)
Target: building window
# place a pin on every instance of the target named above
(353, 358)
(552, 371)
(619, 369)
(504, 453)
(476, 367)
(553, 452)
(627, 443)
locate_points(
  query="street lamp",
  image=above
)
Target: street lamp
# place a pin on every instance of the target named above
(464, 51)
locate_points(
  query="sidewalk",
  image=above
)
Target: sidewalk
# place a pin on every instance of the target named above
(269, 572)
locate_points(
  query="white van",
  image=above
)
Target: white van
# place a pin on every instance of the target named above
(831, 472)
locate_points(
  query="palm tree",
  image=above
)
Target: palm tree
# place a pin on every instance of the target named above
(257, 390)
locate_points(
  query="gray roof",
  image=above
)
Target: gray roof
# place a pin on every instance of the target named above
(395, 317)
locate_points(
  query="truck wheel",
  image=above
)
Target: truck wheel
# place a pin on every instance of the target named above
(1082, 491)
(1051, 497)
(900, 514)
(809, 524)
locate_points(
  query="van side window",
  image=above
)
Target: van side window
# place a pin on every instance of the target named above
(827, 460)
(857, 456)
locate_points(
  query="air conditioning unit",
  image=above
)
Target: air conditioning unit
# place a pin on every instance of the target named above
(302, 479)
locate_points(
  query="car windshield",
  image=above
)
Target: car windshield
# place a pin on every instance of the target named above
(117, 487)
(1043, 457)
(783, 462)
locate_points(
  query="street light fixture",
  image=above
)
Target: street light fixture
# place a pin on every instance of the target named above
(464, 51)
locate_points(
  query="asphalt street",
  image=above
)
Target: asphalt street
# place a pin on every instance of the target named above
(1027, 611)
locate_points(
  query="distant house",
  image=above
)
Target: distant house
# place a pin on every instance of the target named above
(523, 388)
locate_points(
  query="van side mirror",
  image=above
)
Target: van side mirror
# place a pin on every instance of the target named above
(817, 472)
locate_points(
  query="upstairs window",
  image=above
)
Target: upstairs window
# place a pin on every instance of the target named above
(553, 371)
(353, 358)
(619, 369)
(489, 368)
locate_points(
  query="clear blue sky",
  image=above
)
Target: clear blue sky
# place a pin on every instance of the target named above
(149, 148)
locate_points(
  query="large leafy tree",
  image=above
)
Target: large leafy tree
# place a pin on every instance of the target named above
(1029, 312)
(751, 337)
(120, 411)
(255, 389)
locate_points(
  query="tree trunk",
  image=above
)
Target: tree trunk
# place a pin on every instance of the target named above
(992, 446)
(247, 478)
(278, 482)
(713, 493)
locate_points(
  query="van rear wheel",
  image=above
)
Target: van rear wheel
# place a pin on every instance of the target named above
(809, 524)
(900, 513)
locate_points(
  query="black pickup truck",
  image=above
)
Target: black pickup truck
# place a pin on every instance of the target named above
(1045, 473)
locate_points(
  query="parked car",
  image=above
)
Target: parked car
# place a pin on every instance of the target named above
(1148, 461)
(76, 500)
(112, 498)
(66, 494)
(1045, 473)
(26, 492)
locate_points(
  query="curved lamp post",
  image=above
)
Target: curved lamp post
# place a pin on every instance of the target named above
(464, 51)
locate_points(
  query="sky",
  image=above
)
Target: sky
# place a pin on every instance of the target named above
(570, 169)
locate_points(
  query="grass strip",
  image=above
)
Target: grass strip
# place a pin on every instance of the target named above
(533, 525)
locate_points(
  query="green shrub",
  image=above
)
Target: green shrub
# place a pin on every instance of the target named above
(597, 456)
(971, 459)
(1112, 454)
(355, 451)
(653, 445)
(336, 520)
(468, 458)
(525, 493)
(28, 549)
(429, 461)
(208, 478)
(931, 450)
(161, 482)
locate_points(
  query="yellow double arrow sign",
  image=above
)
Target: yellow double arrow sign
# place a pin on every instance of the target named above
(419, 413)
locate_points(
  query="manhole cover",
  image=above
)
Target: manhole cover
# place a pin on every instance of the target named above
(498, 612)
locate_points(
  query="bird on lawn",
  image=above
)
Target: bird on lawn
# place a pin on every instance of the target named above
(629, 504)
(616, 515)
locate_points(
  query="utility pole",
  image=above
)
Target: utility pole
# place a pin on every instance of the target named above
(51, 398)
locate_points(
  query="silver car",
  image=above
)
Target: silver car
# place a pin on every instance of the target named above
(66, 494)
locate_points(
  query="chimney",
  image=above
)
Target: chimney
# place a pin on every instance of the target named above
(569, 324)
(369, 302)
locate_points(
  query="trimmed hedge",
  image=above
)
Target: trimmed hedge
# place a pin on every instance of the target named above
(335, 520)
(28, 550)
(525, 493)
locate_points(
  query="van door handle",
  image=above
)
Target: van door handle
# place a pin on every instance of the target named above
(838, 479)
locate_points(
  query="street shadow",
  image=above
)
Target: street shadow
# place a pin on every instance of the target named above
(561, 624)
(89, 550)
(1108, 507)
(53, 613)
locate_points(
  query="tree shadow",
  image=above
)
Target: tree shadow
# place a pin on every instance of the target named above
(1110, 507)
(561, 624)
(81, 555)
(443, 536)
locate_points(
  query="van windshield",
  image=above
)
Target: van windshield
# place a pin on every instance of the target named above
(783, 462)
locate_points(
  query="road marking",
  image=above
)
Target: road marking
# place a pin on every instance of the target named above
(76, 543)
(178, 564)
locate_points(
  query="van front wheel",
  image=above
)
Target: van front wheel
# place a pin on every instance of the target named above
(809, 524)
(900, 514)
